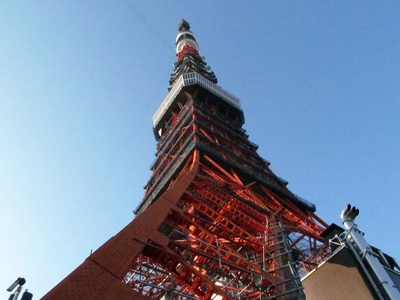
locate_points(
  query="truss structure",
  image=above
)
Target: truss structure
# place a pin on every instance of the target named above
(235, 232)
(215, 222)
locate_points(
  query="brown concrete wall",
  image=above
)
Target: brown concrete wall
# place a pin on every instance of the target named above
(338, 278)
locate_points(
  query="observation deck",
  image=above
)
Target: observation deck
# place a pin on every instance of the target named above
(191, 79)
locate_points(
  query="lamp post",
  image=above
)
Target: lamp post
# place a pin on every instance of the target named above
(17, 285)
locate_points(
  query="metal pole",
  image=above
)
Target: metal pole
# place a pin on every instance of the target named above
(17, 292)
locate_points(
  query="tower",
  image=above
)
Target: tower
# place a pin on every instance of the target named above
(215, 222)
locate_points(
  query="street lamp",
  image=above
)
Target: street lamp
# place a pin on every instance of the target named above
(18, 285)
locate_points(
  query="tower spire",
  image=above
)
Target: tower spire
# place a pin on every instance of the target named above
(188, 57)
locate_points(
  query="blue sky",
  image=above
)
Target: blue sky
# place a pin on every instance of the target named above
(319, 83)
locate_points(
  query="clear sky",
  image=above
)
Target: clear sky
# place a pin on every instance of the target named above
(319, 83)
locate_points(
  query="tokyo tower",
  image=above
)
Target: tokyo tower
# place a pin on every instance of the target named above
(215, 222)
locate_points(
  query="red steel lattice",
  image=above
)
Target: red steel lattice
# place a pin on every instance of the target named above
(215, 221)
